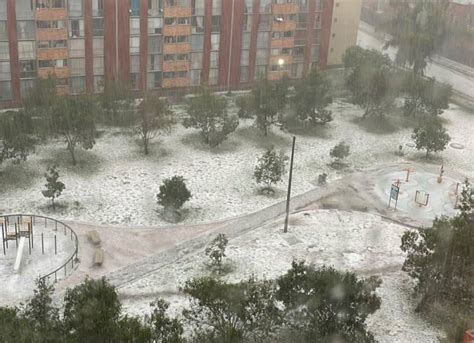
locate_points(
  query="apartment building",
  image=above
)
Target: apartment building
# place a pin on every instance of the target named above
(161, 45)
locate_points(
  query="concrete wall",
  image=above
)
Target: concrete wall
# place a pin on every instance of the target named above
(345, 24)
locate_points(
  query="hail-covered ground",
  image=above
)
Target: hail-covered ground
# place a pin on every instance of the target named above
(358, 242)
(115, 183)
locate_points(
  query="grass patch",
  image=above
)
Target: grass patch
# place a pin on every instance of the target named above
(195, 140)
(87, 161)
(379, 125)
(13, 176)
(255, 136)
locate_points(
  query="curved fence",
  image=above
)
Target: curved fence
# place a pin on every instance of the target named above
(37, 220)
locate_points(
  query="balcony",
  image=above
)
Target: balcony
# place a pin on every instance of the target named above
(59, 73)
(288, 25)
(51, 34)
(285, 8)
(175, 82)
(177, 12)
(177, 30)
(51, 14)
(282, 43)
(175, 65)
(176, 48)
(52, 54)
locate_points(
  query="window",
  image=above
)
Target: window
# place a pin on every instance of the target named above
(5, 70)
(5, 90)
(214, 59)
(50, 24)
(76, 47)
(263, 39)
(216, 23)
(26, 85)
(196, 60)
(28, 68)
(77, 85)
(177, 3)
(134, 80)
(98, 46)
(155, 25)
(265, 22)
(213, 73)
(3, 10)
(98, 83)
(195, 77)
(197, 7)
(182, 39)
(155, 7)
(244, 58)
(262, 56)
(217, 7)
(51, 44)
(77, 66)
(26, 50)
(24, 9)
(98, 27)
(182, 21)
(98, 65)
(246, 40)
(76, 28)
(75, 8)
(154, 62)
(134, 26)
(97, 8)
(154, 80)
(134, 45)
(215, 39)
(4, 51)
(154, 44)
(265, 6)
(197, 42)
(25, 29)
(197, 24)
(135, 64)
(3, 30)
(302, 21)
(244, 74)
(135, 8)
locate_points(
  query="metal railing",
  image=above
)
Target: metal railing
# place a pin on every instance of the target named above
(61, 271)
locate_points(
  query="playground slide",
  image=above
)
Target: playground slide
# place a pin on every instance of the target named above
(19, 254)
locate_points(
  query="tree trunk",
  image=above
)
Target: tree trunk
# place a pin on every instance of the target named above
(145, 145)
(73, 155)
(52, 200)
(427, 153)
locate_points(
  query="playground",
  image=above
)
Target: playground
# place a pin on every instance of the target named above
(33, 247)
(419, 193)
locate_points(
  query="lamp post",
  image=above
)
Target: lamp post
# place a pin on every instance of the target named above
(285, 229)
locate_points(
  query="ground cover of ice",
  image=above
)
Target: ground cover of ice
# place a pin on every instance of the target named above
(16, 286)
(116, 184)
(362, 243)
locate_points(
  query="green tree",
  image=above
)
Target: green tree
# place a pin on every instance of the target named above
(340, 151)
(39, 99)
(208, 113)
(224, 312)
(312, 96)
(323, 304)
(441, 260)
(42, 315)
(216, 251)
(154, 116)
(265, 105)
(74, 119)
(173, 194)
(117, 104)
(92, 312)
(417, 29)
(13, 327)
(54, 188)
(17, 139)
(270, 168)
(425, 95)
(164, 329)
(369, 76)
(431, 136)
(132, 329)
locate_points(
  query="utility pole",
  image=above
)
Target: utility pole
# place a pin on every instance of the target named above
(285, 229)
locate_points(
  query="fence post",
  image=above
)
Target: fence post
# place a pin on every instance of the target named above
(42, 244)
(55, 246)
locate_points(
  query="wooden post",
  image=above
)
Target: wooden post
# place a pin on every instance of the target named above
(30, 226)
(42, 243)
(55, 246)
(288, 196)
(16, 235)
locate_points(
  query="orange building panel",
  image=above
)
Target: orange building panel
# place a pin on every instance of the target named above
(288, 25)
(284, 8)
(60, 73)
(175, 65)
(52, 54)
(175, 82)
(51, 34)
(51, 14)
(286, 59)
(277, 75)
(177, 12)
(177, 30)
(178, 48)
(283, 43)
